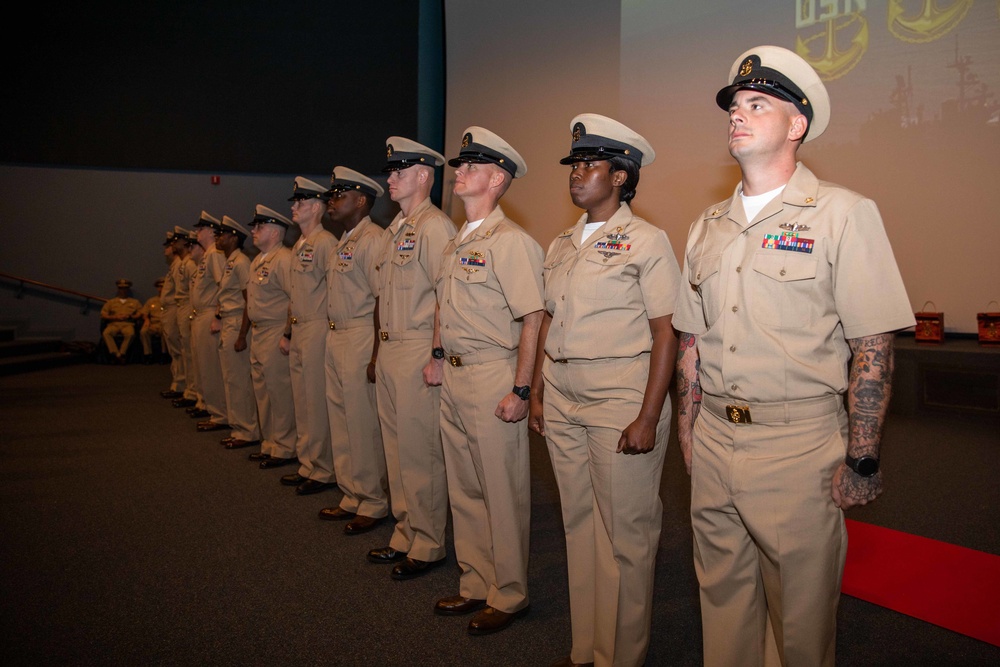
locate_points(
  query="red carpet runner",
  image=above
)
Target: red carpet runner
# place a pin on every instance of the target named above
(943, 584)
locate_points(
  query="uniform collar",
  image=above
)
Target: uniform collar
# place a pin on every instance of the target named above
(487, 226)
(621, 218)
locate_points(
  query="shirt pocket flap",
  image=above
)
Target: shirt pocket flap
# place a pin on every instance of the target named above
(613, 260)
(472, 275)
(703, 268)
(785, 267)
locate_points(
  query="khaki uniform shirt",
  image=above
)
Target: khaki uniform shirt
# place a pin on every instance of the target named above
(487, 282)
(234, 280)
(205, 284)
(313, 256)
(153, 309)
(408, 265)
(116, 307)
(169, 289)
(773, 301)
(352, 280)
(602, 293)
(183, 275)
(269, 290)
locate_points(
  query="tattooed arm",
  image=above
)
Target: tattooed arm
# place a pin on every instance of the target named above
(688, 393)
(867, 403)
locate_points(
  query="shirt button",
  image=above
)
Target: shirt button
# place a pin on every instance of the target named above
(733, 387)
(739, 269)
(735, 308)
(782, 272)
(563, 297)
(732, 348)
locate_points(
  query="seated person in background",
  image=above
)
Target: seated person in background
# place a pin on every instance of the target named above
(120, 313)
(152, 325)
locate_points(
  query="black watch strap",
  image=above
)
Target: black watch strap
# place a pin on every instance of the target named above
(524, 393)
(437, 352)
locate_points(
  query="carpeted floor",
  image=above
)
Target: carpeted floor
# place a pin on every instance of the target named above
(126, 538)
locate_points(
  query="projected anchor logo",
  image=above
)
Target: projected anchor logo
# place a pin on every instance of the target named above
(930, 23)
(823, 49)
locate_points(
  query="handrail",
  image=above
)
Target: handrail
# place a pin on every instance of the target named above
(28, 281)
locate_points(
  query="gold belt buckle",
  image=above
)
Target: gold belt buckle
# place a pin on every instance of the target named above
(455, 360)
(384, 335)
(738, 414)
(333, 326)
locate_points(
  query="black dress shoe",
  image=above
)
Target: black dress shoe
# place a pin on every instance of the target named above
(492, 620)
(236, 443)
(200, 414)
(412, 568)
(336, 514)
(291, 480)
(385, 555)
(362, 524)
(457, 605)
(259, 456)
(311, 486)
(275, 462)
(170, 393)
(184, 402)
(205, 427)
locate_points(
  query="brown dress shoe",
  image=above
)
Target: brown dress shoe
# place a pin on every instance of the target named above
(291, 480)
(259, 456)
(411, 568)
(205, 427)
(228, 439)
(492, 620)
(362, 524)
(385, 555)
(568, 662)
(276, 462)
(311, 486)
(457, 605)
(336, 514)
(236, 443)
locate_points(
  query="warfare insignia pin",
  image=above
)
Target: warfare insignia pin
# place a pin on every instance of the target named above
(794, 226)
(608, 255)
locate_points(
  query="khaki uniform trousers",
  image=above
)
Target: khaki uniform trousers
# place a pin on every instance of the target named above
(410, 414)
(272, 387)
(769, 544)
(355, 434)
(611, 506)
(172, 338)
(205, 352)
(307, 367)
(127, 331)
(241, 408)
(184, 322)
(489, 483)
(146, 336)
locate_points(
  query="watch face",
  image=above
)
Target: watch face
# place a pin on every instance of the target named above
(867, 466)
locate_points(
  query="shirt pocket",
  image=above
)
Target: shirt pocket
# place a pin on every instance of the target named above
(604, 278)
(783, 289)
(403, 264)
(704, 278)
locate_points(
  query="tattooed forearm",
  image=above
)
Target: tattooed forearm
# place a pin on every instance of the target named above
(688, 392)
(869, 391)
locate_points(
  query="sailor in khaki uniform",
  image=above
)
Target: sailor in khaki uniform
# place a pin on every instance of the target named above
(205, 327)
(793, 294)
(182, 274)
(269, 293)
(305, 342)
(171, 334)
(241, 408)
(152, 323)
(489, 295)
(351, 350)
(599, 393)
(121, 313)
(408, 409)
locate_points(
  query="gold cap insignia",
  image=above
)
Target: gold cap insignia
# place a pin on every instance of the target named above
(466, 140)
(388, 151)
(578, 131)
(747, 67)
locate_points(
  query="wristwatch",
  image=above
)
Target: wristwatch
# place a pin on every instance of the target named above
(437, 352)
(866, 466)
(524, 393)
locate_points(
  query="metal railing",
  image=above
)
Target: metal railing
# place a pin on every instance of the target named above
(23, 282)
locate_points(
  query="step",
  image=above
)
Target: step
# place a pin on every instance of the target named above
(29, 346)
(36, 362)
